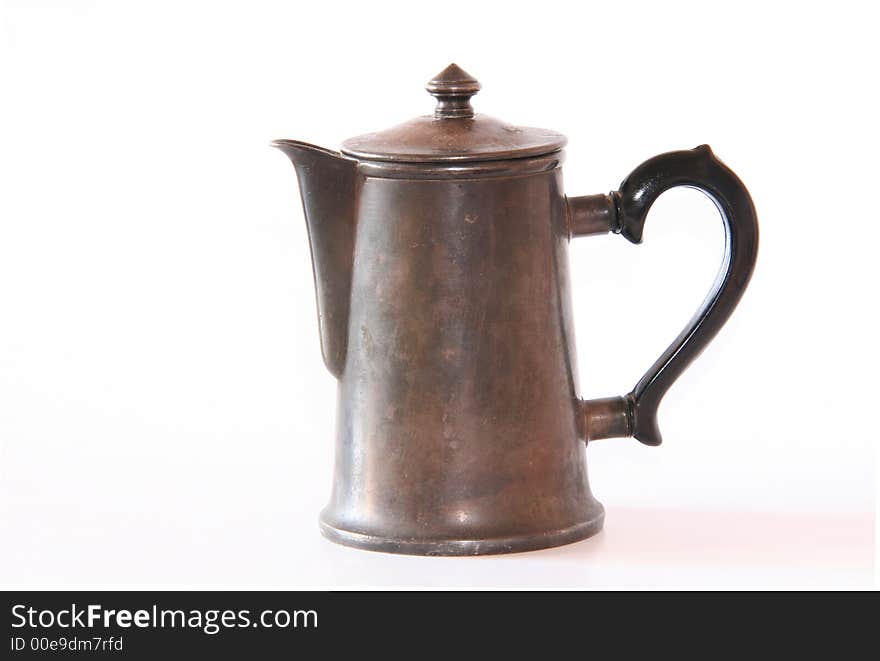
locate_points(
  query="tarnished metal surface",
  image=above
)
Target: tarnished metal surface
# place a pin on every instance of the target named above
(444, 298)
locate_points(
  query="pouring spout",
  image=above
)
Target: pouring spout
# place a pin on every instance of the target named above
(327, 185)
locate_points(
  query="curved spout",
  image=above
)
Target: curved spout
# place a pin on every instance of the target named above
(327, 184)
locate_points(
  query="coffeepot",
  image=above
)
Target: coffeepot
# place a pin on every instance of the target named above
(440, 258)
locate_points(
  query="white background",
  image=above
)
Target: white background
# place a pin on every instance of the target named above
(165, 416)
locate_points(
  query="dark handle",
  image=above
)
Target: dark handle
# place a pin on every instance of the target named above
(624, 212)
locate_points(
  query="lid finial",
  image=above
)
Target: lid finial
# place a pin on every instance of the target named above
(453, 88)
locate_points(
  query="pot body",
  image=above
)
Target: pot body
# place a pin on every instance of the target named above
(458, 426)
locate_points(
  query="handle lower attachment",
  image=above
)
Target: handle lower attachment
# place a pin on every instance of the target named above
(624, 212)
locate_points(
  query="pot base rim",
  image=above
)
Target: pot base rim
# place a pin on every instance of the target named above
(465, 547)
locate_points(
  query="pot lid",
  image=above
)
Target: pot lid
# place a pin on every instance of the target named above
(454, 132)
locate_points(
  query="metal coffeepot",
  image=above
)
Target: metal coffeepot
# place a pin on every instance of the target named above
(440, 255)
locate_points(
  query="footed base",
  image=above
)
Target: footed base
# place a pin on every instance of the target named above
(452, 547)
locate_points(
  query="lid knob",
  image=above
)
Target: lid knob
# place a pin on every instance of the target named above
(453, 88)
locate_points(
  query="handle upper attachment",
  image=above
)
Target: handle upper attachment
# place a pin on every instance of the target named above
(624, 212)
